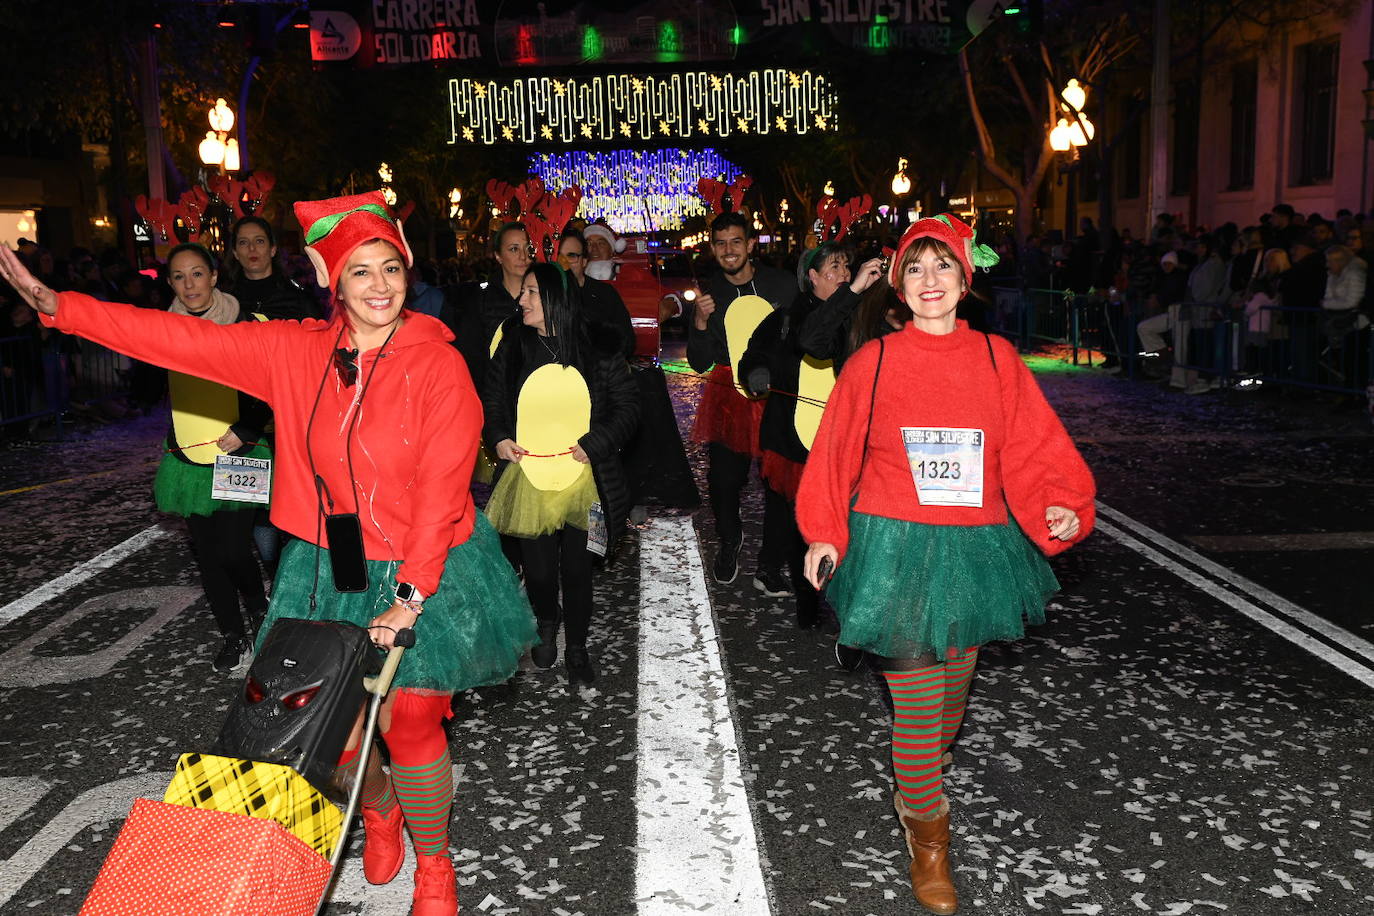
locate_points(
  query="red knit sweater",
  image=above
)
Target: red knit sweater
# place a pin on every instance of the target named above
(413, 445)
(945, 380)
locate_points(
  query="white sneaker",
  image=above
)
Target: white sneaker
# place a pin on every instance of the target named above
(1198, 388)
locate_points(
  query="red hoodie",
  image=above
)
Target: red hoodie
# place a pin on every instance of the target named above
(945, 380)
(414, 443)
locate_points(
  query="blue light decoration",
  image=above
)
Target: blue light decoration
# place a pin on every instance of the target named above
(636, 190)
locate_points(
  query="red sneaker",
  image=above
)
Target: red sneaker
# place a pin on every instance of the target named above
(436, 888)
(383, 851)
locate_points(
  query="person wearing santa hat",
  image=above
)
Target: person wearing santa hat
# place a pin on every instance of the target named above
(376, 418)
(939, 478)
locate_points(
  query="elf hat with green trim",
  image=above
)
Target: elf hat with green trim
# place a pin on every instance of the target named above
(336, 227)
(955, 233)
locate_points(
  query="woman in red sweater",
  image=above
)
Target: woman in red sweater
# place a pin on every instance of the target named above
(376, 415)
(933, 525)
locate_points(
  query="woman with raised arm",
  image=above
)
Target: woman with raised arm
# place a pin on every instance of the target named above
(938, 470)
(376, 418)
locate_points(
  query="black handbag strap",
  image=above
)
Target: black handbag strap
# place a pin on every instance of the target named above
(872, 400)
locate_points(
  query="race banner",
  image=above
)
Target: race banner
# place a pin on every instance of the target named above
(573, 33)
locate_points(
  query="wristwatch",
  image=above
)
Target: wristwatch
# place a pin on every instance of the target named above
(411, 597)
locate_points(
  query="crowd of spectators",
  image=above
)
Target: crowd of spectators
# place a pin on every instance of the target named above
(1293, 287)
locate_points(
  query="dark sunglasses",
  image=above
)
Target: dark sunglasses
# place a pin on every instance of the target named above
(573, 254)
(346, 364)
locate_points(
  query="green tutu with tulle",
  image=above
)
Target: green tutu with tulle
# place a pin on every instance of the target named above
(472, 632)
(520, 509)
(906, 589)
(182, 488)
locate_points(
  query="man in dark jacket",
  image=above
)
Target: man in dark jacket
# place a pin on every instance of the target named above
(726, 421)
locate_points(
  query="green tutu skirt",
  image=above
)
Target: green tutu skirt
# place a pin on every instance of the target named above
(182, 488)
(906, 589)
(521, 510)
(473, 630)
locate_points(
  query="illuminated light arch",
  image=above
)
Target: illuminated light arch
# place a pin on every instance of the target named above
(636, 190)
(638, 107)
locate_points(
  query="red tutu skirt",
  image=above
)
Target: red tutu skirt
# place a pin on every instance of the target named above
(726, 416)
(782, 475)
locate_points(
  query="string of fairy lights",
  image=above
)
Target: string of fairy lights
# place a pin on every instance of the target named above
(629, 107)
(636, 191)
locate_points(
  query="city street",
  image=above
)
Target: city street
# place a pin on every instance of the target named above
(1192, 732)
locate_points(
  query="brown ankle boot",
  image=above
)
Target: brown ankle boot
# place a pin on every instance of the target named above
(927, 839)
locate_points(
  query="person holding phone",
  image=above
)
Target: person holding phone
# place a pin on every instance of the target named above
(938, 479)
(376, 417)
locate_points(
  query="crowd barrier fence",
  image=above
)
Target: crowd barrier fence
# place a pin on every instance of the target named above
(1309, 348)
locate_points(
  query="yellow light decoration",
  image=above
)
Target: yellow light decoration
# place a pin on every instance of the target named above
(604, 108)
(389, 196)
(829, 189)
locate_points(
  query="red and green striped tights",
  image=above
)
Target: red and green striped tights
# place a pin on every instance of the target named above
(421, 770)
(928, 708)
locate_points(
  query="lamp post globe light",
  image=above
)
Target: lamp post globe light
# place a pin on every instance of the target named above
(218, 149)
(901, 184)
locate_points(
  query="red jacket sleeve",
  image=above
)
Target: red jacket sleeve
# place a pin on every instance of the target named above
(451, 432)
(237, 355)
(832, 469)
(1041, 467)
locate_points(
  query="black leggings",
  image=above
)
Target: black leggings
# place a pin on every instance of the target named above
(783, 547)
(223, 545)
(554, 559)
(726, 478)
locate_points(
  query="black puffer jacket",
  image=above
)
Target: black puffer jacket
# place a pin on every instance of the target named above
(615, 409)
(275, 296)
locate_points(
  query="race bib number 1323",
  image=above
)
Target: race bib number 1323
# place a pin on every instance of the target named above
(946, 464)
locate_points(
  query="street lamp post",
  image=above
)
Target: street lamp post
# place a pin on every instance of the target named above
(218, 148)
(1073, 132)
(901, 186)
(388, 193)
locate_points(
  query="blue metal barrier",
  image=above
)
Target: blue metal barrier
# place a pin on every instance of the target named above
(42, 380)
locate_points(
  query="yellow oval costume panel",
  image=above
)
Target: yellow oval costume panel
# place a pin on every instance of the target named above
(742, 318)
(201, 412)
(815, 381)
(553, 411)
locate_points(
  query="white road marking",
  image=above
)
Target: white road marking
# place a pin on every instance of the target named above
(109, 802)
(1284, 543)
(1288, 631)
(697, 849)
(26, 666)
(1283, 606)
(21, 606)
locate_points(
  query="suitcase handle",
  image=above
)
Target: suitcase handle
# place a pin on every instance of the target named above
(379, 685)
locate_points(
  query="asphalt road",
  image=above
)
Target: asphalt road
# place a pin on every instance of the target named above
(1189, 733)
